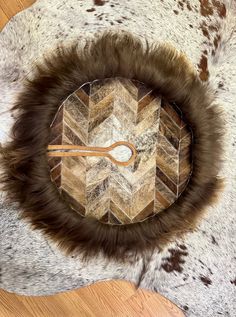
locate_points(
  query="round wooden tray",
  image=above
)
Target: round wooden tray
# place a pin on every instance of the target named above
(101, 113)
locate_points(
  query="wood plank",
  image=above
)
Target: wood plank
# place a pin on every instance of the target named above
(45, 306)
(11, 306)
(110, 298)
(75, 305)
(148, 304)
(27, 3)
(3, 18)
(107, 298)
(10, 8)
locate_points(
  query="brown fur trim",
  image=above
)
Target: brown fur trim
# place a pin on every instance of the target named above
(26, 172)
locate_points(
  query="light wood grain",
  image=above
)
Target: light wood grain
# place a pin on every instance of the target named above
(111, 298)
(8, 8)
(3, 18)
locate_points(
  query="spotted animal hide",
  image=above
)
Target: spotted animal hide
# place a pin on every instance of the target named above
(197, 273)
(24, 162)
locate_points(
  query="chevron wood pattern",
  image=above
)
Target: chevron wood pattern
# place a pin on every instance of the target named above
(101, 113)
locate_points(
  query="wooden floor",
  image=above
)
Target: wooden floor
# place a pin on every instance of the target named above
(8, 8)
(103, 299)
(113, 298)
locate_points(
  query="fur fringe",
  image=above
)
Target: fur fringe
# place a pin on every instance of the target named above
(26, 175)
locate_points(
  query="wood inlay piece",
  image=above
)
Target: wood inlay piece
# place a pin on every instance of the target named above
(101, 113)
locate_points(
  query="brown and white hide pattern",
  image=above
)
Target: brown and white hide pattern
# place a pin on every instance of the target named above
(198, 273)
(101, 113)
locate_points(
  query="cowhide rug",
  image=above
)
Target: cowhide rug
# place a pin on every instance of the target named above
(198, 273)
